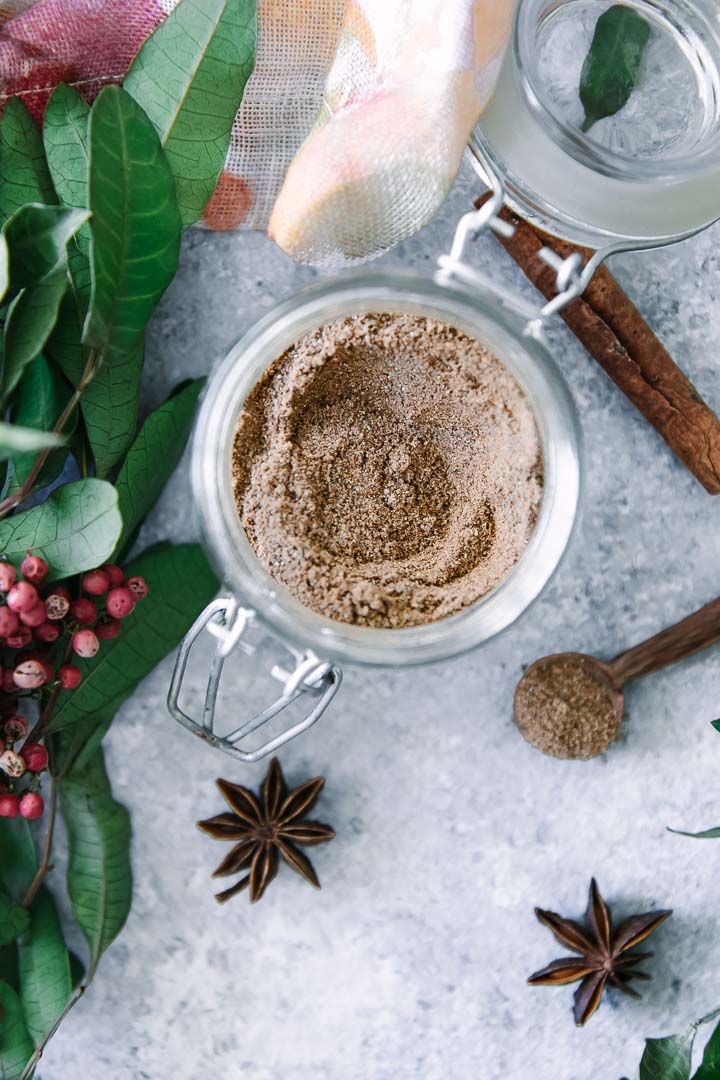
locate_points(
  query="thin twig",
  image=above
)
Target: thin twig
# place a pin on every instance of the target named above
(91, 367)
(72, 1000)
(38, 730)
(44, 866)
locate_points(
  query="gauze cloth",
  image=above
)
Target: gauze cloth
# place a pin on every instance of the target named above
(352, 125)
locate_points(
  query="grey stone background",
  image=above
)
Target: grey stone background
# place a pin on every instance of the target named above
(412, 960)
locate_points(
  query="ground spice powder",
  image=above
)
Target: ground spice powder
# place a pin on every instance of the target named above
(565, 710)
(387, 470)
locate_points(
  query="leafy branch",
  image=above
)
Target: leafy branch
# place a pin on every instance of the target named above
(92, 211)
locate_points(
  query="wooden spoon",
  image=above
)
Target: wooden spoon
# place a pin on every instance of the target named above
(570, 705)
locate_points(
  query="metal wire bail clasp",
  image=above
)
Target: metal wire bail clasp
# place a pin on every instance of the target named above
(228, 622)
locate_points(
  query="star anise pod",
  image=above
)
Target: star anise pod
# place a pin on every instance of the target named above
(264, 828)
(604, 956)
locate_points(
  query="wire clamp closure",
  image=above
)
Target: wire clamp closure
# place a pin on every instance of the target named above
(310, 677)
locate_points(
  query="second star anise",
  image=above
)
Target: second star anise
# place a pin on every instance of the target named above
(604, 957)
(265, 828)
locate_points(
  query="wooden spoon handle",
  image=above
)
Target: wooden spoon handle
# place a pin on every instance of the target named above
(683, 639)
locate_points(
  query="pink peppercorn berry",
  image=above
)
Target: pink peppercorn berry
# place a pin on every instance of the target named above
(85, 643)
(15, 728)
(31, 674)
(120, 602)
(107, 628)
(114, 573)
(137, 586)
(36, 616)
(9, 806)
(35, 756)
(33, 568)
(12, 764)
(32, 806)
(20, 639)
(58, 603)
(22, 597)
(8, 576)
(9, 621)
(83, 611)
(69, 676)
(47, 632)
(96, 583)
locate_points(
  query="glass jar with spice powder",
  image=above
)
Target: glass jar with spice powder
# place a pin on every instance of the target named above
(386, 469)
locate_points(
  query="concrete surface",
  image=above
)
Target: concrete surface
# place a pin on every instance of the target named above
(412, 960)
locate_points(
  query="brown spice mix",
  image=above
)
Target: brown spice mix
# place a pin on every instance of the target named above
(387, 470)
(564, 709)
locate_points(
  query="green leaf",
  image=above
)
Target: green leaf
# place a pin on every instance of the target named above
(154, 455)
(44, 966)
(190, 77)
(99, 878)
(708, 834)
(38, 237)
(24, 175)
(612, 66)
(110, 407)
(39, 402)
(18, 861)
(31, 318)
(716, 724)
(14, 920)
(669, 1058)
(75, 529)
(16, 1046)
(8, 967)
(710, 1067)
(135, 224)
(21, 441)
(181, 583)
(65, 134)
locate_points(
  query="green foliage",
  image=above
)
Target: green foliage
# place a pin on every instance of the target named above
(16, 1046)
(65, 135)
(612, 66)
(39, 402)
(38, 238)
(153, 456)
(190, 77)
(30, 320)
(89, 242)
(13, 920)
(99, 879)
(24, 175)
(44, 967)
(670, 1057)
(135, 222)
(18, 862)
(76, 528)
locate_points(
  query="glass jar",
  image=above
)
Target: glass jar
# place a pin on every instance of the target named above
(648, 174)
(318, 644)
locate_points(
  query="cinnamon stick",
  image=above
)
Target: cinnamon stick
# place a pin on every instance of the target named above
(615, 334)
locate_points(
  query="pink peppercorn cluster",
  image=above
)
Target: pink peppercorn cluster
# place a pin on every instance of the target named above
(41, 627)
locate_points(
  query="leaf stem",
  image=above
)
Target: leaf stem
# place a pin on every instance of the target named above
(44, 866)
(39, 1049)
(91, 367)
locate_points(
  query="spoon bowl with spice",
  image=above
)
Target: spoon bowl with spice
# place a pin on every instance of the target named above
(570, 705)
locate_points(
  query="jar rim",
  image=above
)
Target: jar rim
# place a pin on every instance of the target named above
(355, 292)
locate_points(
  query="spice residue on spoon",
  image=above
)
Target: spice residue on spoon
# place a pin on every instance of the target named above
(567, 707)
(387, 470)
